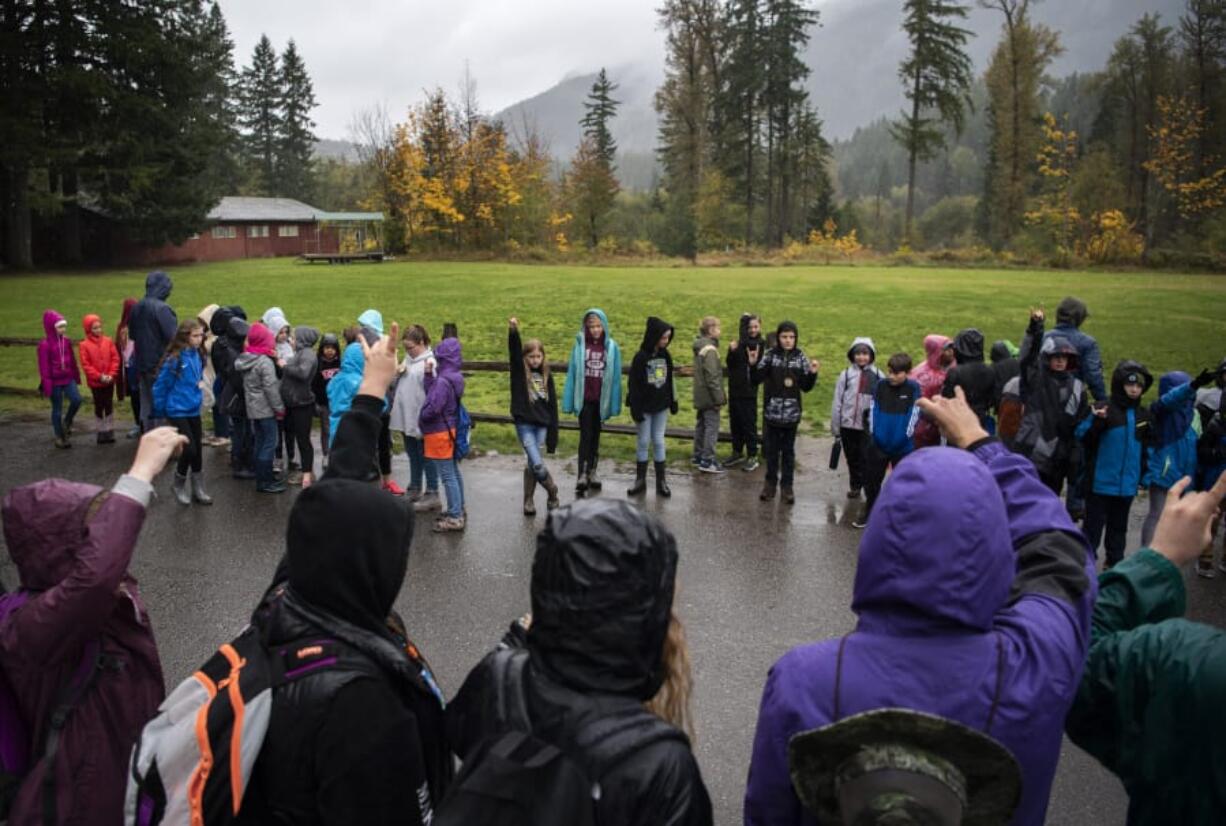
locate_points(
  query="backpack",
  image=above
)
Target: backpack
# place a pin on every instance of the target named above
(462, 441)
(16, 748)
(513, 777)
(185, 767)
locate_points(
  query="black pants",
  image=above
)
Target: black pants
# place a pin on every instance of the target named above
(104, 400)
(385, 445)
(876, 463)
(854, 444)
(589, 436)
(779, 445)
(285, 439)
(298, 429)
(1110, 512)
(191, 458)
(242, 444)
(743, 418)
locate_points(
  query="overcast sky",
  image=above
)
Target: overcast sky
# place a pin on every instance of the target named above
(361, 52)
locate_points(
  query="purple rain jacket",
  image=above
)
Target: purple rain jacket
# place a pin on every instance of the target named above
(76, 573)
(444, 390)
(971, 579)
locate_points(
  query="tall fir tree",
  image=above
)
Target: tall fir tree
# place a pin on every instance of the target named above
(738, 103)
(295, 146)
(593, 181)
(936, 78)
(260, 117)
(1013, 78)
(685, 102)
(1202, 30)
(215, 60)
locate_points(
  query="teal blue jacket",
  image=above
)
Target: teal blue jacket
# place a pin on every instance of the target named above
(611, 389)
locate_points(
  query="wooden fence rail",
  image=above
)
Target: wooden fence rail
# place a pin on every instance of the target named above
(684, 371)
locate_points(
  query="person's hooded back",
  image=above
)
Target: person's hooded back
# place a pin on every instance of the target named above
(1070, 315)
(930, 374)
(1072, 312)
(941, 628)
(1171, 454)
(299, 371)
(444, 389)
(1005, 362)
(153, 323)
(361, 735)
(650, 383)
(344, 385)
(71, 544)
(977, 379)
(602, 591)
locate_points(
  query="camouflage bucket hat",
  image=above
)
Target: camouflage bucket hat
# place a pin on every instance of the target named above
(900, 766)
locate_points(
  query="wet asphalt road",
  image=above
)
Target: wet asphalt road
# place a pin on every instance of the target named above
(755, 580)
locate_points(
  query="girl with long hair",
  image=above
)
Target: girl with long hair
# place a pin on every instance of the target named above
(534, 406)
(178, 392)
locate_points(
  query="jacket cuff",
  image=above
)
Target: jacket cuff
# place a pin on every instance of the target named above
(1156, 580)
(986, 448)
(138, 490)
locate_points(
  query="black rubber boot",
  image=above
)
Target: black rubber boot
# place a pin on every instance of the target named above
(662, 488)
(640, 480)
(593, 481)
(581, 482)
(768, 492)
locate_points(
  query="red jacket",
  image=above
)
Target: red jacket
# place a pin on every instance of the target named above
(98, 356)
(75, 571)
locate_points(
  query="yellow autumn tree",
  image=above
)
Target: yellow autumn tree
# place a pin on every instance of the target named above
(1198, 185)
(1053, 211)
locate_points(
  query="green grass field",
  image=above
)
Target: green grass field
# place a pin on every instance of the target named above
(1167, 321)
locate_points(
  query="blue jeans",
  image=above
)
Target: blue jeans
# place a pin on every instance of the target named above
(58, 394)
(221, 422)
(651, 433)
(415, 449)
(532, 440)
(448, 471)
(265, 445)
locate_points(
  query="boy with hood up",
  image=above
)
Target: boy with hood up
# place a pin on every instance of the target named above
(974, 607)
(744, 352)
(593, 390)
(708, 388)
(1116, 437)
(58, 375)
(977, 380)
(651, 396)
(853, 398)
(151, 326)
(1053, 402)
(786, 372)
(930, 376)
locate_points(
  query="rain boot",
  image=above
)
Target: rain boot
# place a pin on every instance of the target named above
(551, 488)
(640, 479)
(593, 481)
(529, 491)
(198, 491)
(662, 488)
(180, 489)
(768, 492)
(581, 482)
(789, 498)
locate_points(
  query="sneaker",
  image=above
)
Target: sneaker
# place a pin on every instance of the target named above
(732, 461)
(62, 443)
(394, 489)
(134, 433)
(413, 494)
(1204, 568)
(294, 478)
(447, 524)
(711, 467)
(221, 441)
(243, 473)
(751, 464)
(859, 522)
(429, 501)
(274, 487)
(695, 461)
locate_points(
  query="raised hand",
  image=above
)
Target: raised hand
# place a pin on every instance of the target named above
(1185, 527)
(954, 416)
(380, 366)
(514, 322)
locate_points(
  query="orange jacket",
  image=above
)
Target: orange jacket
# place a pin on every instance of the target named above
(98, 356)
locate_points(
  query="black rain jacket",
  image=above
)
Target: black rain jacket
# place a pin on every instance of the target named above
(649, 388)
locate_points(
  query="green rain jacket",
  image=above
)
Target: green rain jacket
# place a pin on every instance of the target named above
(1151, 702)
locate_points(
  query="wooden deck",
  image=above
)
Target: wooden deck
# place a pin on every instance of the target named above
(343, 257)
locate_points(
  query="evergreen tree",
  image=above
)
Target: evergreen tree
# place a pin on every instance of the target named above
(295, 146)
(1013, 79)
(599, 109)
(937, 80)
(739, 105)
(1202, 30)
(684, 103)
(215, 63)
(261, 101)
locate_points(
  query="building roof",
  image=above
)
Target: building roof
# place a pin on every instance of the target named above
(235, 208)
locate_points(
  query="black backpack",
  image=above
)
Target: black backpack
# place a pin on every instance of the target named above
(513, 777)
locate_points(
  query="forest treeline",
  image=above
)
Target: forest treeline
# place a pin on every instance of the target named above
(1127, 164)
